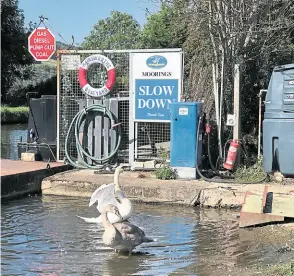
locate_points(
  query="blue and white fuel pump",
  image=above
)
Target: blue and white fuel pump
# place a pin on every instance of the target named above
(184, 153)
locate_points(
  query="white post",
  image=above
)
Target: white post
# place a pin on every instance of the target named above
(237, 126)
(131, 113)
(57, 109)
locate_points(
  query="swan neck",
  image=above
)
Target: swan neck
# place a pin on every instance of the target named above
(116, 182)
(105, 221)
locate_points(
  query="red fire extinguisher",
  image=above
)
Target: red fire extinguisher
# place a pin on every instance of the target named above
(232, 154)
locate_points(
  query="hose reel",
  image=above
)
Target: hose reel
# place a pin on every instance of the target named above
(81, 116)
(76, 123)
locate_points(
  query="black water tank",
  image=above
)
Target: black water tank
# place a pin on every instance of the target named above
(42, 118)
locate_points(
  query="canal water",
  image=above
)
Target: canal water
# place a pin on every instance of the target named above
(10, 136)
(43, 236)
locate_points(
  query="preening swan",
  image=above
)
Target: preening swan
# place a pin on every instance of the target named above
(111, 194)
(122, 236)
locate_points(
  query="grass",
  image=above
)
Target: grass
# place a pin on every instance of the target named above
(14, 115)
(50, 62)
(281, 270)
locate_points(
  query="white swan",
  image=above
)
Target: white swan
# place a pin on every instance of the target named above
(122, 236)
(111, 194)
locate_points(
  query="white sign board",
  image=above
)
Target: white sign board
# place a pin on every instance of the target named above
(70, 62)
(157, 82)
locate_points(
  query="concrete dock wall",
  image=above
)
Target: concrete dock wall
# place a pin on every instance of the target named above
(19, 184)
(142, 188)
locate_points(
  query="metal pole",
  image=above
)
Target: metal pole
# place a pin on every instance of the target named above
(259, 121)
(58, 103)
(237, 126)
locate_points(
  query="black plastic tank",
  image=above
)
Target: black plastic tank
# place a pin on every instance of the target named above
(42, 128)
(278, 123)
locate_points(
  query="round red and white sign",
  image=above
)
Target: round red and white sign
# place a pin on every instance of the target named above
(111, 76)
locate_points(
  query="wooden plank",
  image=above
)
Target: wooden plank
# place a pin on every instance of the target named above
(81, 138)
(264, 196)
(252, 203)
(90, 145)
(28, 156)
(98, 133)
(106, 132)
(113, 106)
(251, 219)
(252, 210)
(283, 205)
(82, 105)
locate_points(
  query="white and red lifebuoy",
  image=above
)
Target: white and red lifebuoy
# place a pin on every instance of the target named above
(111, 76)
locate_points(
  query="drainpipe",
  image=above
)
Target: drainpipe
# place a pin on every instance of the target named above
(261, 91)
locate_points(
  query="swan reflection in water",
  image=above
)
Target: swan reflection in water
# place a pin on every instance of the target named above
(121, 236)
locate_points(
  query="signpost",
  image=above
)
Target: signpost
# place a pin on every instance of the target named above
(157, 82)
(42, 44)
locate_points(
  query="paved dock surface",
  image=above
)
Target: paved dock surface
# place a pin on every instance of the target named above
(19, 178)
(142, 187)
(10, 167)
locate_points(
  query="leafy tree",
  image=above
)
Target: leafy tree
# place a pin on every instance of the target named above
(36, 77)
(14, 53)
(167, 28)
(119, 31)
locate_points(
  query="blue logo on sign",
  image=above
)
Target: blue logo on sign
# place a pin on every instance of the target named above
(156, 62)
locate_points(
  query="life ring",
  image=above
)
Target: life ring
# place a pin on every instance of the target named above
(111, 76)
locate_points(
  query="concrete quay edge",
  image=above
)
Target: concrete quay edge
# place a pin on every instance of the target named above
(141, 187)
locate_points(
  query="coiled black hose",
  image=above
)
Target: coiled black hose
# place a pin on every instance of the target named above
(220, 180)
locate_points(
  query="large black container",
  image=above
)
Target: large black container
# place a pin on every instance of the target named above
(42, 122)
(42, 118)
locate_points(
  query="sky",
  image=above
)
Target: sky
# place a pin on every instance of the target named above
(77, 17)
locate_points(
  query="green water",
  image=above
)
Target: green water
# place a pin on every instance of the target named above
(43, 236)
(10, 136)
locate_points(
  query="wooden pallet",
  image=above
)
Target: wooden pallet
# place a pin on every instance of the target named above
(268, 207)
(96, 133)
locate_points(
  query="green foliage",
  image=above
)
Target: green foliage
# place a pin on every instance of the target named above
(36, 77)
(119, 31)
(281, 270)
(249, 172)
(158, 31)
(13, 115)
(165, 171)
(14, 53)
(165, 29)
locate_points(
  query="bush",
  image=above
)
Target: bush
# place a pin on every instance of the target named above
(14, 115)
(165, 171)
(250, 173)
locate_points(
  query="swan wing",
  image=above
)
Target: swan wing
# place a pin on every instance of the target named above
(104, 195)
(96, 194)
(91, 220)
